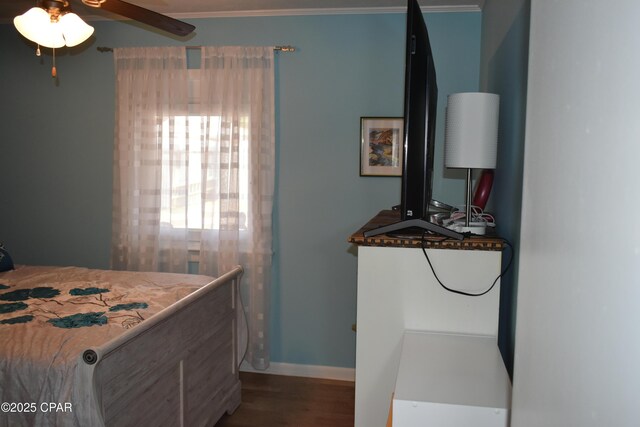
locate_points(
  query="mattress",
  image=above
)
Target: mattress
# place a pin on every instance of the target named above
(50, 315)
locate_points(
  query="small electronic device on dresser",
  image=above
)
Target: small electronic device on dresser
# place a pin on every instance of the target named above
(479, 221)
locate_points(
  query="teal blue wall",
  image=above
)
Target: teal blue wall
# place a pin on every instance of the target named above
(504, 71)
(57, 142)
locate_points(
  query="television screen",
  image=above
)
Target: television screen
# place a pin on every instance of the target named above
(420, 105)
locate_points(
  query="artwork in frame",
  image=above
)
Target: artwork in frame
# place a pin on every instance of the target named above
(381, 146)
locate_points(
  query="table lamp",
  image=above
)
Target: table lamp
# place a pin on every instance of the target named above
(471, 137)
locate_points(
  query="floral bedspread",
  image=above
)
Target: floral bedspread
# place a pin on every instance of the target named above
(50, 315)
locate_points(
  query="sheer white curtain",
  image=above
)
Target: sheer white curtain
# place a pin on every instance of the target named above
(194, 169)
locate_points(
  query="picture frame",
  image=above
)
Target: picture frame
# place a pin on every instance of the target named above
(381, 152)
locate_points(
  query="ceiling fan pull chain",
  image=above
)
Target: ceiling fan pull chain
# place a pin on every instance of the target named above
(38, 51)
(54, 72)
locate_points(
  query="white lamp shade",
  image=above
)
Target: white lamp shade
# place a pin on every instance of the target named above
(31, 20)
(74, 29)
(36, 25)
(471, 133)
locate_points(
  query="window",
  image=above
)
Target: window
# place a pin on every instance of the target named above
(185, 177)
(163, 153)
(190, 195)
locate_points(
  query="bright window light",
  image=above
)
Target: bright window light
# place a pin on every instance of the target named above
(191, 190)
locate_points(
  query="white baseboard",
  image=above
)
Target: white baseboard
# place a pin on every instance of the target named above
(310, 371)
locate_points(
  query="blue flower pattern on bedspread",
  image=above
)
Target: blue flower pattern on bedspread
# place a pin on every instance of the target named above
(131, 306)
(11, 307)
(15, 320)
(40, 303)
(87, 291)
(25, 294)
(79, 320)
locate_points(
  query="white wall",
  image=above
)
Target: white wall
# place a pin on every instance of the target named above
(577, 356)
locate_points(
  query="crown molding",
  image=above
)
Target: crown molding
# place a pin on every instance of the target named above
(358, 7)
(326, 11)
(303, 12)
(296, 12)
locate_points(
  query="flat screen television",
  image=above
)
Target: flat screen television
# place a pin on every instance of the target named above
(420, 107)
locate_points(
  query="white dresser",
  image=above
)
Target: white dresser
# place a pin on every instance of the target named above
(450, 380)
(397, 292)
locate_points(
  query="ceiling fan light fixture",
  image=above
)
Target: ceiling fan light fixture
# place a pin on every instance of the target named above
(31, 23)
(53, 27)
(74, 29)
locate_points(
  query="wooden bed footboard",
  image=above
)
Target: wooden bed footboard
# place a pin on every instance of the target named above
(177, 368)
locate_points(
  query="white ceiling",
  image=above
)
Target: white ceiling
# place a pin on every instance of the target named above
(184, 9)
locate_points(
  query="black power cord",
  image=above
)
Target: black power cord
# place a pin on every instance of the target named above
(455, 291)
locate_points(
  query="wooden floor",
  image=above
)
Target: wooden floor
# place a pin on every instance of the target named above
(275, 401)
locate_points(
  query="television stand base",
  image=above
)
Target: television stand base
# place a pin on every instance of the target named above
(414, 223)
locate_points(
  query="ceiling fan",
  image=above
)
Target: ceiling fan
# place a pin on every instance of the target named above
(52, 24)
(143, 15)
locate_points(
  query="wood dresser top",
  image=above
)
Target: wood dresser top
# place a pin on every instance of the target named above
(484, 243)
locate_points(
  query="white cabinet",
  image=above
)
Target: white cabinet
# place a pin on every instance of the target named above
(397, 292)
(446, 380)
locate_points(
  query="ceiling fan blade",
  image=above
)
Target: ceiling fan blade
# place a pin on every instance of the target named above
(148, 17)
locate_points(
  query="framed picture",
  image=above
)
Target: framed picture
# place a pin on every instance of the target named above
(381, 146)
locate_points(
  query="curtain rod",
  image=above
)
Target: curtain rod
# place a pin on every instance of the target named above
(278, 48)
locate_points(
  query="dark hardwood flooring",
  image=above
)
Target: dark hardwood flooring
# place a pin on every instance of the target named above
(276, 400)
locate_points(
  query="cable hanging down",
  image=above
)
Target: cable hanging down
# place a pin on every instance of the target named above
(456, 291)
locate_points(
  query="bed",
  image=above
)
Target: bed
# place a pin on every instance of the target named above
(82, 347)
